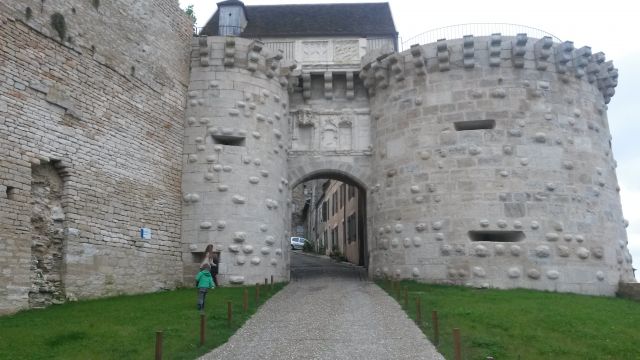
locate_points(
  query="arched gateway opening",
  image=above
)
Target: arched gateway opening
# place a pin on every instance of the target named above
(329, 210)
(329, 213)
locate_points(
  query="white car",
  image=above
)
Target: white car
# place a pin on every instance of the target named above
(297, 243)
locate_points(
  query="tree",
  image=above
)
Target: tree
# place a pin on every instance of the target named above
(190, 14)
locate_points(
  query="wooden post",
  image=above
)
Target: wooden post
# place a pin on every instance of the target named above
(457, 350)
(159, 345)
(257, 293)
(266, 282)
(245, 300)
(406, 297)
(202, 327)
(229, 313)
(398, 296)
(418, 312)
(436, 328)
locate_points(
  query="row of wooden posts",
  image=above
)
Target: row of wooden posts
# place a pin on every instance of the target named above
(245, 308)
(394, 286)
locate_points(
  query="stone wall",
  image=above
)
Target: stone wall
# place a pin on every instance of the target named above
(493, 166)
(104, 109)
(128, 36)
(629, 291)
(236, 194)
(330, 112)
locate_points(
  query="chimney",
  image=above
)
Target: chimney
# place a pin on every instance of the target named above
(232, 17)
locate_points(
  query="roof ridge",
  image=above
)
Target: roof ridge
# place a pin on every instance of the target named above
(327, 19)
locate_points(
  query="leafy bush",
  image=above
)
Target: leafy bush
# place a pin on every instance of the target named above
(337, 255)
(308, 246)
(191, 13)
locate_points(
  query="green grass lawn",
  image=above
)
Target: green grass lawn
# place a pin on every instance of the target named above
(125, 327)
(526, 324)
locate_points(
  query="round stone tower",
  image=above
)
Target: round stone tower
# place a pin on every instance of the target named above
(235, 161)
(494, 166)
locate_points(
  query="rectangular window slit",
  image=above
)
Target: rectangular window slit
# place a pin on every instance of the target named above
(228, 140)
(474, 125)
(11, 193)
(496, 236)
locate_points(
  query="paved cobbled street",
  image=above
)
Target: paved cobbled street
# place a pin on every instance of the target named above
(328, 311)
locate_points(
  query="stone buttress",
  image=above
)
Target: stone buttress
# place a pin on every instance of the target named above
(235, 192)
(493, 166)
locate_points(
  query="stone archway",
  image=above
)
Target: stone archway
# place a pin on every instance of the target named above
(350, 170)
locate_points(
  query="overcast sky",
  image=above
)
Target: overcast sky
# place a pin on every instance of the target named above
(608, 26)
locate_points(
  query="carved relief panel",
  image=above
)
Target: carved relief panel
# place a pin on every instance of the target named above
(315, 51)
(331, 130)
(329, 133)
(346, 51)
(304, 129)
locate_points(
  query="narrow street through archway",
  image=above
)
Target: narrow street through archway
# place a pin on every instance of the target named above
(328, 311)
(307, 267)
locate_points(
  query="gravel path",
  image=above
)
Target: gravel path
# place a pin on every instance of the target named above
(328, 312)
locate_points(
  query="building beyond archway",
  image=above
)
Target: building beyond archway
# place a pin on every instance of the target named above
(332, 215)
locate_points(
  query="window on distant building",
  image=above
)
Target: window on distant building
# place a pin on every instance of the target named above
(351, 228)
(324, 240)
(325, 212)
(344, 237)
(334, 239)
(334, 203)
(352, 192)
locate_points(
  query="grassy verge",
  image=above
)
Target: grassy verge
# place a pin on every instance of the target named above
(124, 327)
(525, 324)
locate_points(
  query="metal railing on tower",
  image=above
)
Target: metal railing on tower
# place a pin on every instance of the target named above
(475, 29)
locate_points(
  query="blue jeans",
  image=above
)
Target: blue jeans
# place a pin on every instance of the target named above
(202, 294)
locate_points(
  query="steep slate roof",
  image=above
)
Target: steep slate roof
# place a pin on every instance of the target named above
(361, 19)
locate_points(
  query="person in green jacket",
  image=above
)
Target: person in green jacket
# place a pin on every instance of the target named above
(204, 282)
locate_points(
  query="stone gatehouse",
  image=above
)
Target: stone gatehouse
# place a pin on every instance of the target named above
(485, 161)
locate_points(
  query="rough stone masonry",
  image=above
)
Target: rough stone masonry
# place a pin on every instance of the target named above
(493, 166)
(489, 162)
(92, 111)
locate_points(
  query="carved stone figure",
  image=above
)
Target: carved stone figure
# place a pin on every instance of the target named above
(329, 133)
